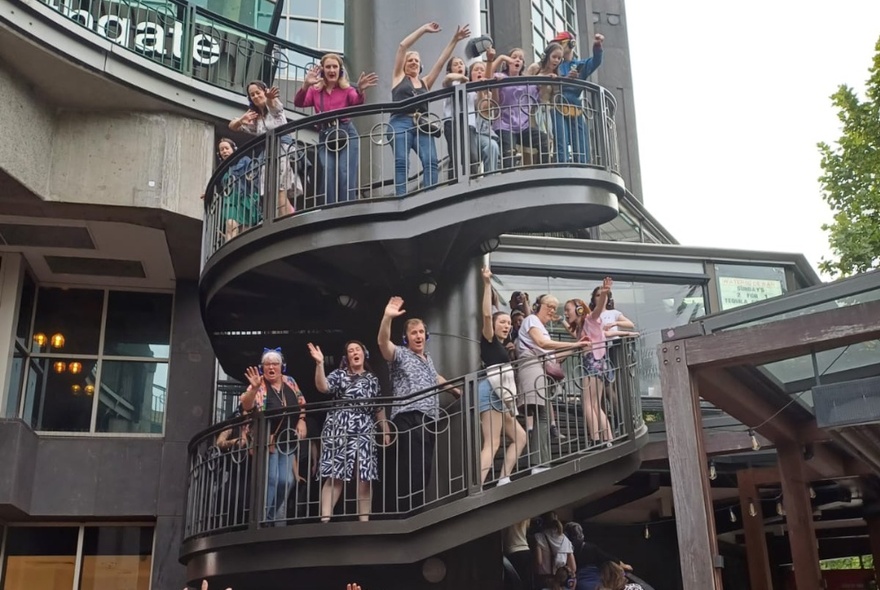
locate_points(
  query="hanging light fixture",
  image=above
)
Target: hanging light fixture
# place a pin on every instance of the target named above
(756, 446)
(90, 389)
(779, 508)
(76, 389)
(647, 532)
(57, 340)
(75, 368)
(40, 339)
(713, 473)
(59, 367)
(732, 515)
(812, 493)
(752, 510)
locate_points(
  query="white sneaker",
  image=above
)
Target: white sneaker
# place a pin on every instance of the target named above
(537, 470)
(503, 481)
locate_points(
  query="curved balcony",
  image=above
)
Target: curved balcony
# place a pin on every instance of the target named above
(384, 228)
(234, 529)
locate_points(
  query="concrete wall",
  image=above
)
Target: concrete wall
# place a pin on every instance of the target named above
(104, 158)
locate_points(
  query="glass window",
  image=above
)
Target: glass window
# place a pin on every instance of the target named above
(74, 315)
(307, 8)
(332, 37)
(132, 397)
(15, 382)
(333, 9)
(304, 32)
(59, 393)
(116, 557)
(138, 324)
(25, 310)
(740, 285)
(40, 557)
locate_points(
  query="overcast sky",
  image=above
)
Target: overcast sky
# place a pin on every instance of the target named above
(731, 98)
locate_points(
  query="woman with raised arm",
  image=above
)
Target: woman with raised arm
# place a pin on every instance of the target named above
(348, 446)
(495, 415)
(265, 112)
(585, 323)
(406, 131)
(326, 89)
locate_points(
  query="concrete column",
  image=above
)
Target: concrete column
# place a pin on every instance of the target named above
(11, 271)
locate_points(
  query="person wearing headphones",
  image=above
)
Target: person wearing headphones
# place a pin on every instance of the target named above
(348, 444)
(270, 389)
(327, 89)
(569, 123)
(406, 133)
(585, 324)
(241, 205)
(412, 370)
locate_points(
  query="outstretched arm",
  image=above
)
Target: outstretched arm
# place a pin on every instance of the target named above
(392, 310)
(404, 46)
(320, 378)
(462, 32)
(488, 328)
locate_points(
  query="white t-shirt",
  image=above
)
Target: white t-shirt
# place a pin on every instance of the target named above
(608, 316)
(524, 342)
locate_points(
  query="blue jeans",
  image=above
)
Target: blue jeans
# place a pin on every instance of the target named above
(485, 148)
(339, 169)
(407, 137)
(587, 578)
(280, 480)
(571, 131)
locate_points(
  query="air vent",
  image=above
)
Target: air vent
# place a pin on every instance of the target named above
(46, 236)
(102, 267)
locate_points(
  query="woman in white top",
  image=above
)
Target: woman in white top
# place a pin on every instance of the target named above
(553, 550)
(265, 112)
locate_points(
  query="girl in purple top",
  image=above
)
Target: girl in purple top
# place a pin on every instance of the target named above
(326, 89)
(585, 323)
(517, 103)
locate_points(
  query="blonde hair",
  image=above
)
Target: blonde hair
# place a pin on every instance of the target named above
(416, 53)
(342, 81)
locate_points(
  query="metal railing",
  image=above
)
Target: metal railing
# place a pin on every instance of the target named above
(379, 151)
(196, 43)
(254, 472)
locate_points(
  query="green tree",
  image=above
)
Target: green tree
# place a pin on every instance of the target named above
(851, 180)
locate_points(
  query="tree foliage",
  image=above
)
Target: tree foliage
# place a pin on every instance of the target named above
(851, 180)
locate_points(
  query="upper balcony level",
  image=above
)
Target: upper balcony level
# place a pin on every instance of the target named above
(388, 197)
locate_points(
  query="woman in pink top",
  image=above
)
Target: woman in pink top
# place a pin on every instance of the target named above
(326, 89)
(585, 323)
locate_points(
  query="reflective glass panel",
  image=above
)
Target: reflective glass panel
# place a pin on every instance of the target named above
(25, 310)
(40, 557)
(59, 394)
(132, 397)
(333, 9)
(72, 314)
(138, 324)
(304, 32)
(13, 393)
(332, 37)
(116, 557)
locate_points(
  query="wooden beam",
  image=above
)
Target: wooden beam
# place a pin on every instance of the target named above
(786, 338)
(753, 527)
(799, 517)
(714, 443)
(694, 515)
(874, 538)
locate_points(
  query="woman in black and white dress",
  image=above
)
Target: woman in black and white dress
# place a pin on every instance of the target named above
(348, 446)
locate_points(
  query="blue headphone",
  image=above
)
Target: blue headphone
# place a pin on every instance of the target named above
(283, 361)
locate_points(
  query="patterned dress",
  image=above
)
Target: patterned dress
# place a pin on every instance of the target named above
(348, 435)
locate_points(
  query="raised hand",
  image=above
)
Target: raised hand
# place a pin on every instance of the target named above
(316, 353)
(394, 309)
(432, 28)
(487, 275)
(313, 76)
(353, 587)
(598, 38)
(490, 54)
(606, 285)
(249, 117)
(272, 93)
(254, 379)
(367, 81)
(462, 32)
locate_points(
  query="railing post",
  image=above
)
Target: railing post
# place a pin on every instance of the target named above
(188, 34)
(470, 411)
(461, 133)
(259, 471)
(627, 382)
(603, 155)
(270, 178)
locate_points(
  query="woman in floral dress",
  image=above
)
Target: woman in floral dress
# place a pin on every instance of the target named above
(348, 446)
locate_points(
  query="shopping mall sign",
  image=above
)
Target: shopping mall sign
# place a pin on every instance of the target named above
(141, 28)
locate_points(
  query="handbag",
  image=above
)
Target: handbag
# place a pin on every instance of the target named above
(552, 367)
(428, 123)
